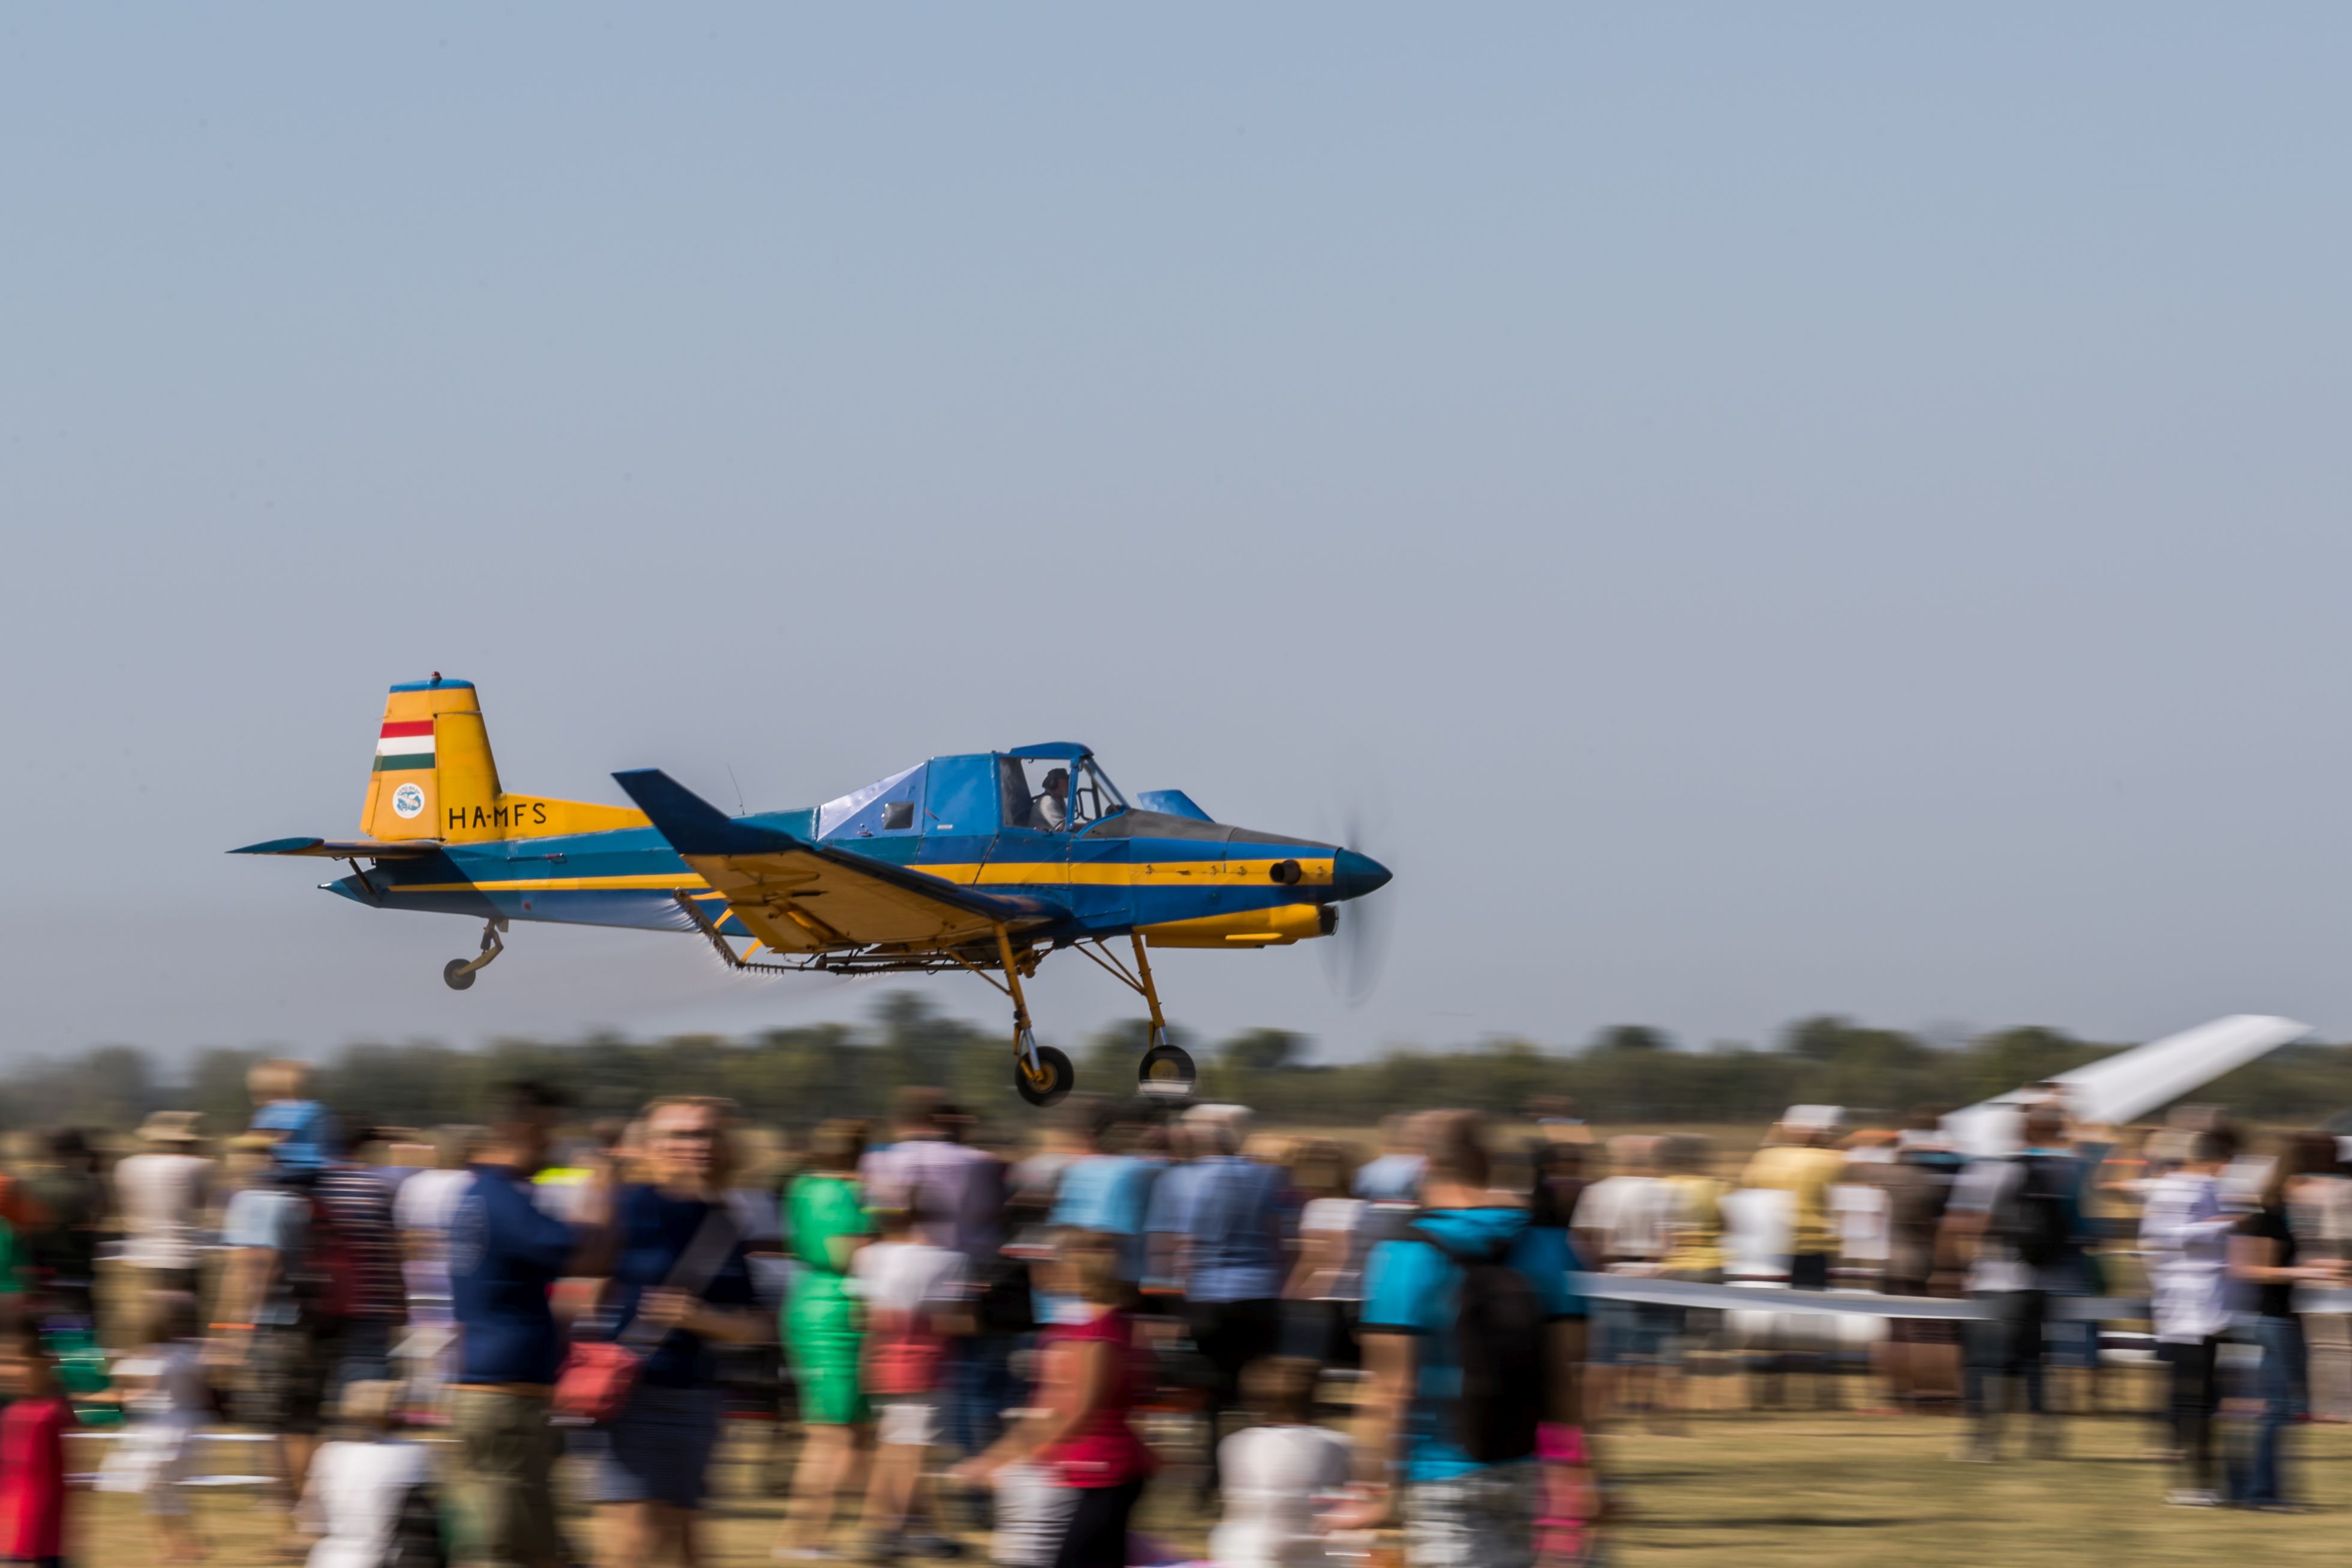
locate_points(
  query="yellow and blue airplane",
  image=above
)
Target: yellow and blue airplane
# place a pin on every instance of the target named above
(984, 862)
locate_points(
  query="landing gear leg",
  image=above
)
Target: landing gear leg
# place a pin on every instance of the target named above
(458, 972)
(1043, 1075)
(1165, 1069)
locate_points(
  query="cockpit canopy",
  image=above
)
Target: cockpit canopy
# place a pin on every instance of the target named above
(1051, 788)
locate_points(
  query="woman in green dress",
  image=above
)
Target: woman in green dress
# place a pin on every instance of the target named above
(825, 1224)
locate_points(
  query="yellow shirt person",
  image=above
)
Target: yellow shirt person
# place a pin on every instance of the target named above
(1806, 1175)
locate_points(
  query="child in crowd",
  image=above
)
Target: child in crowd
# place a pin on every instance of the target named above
(916, 1297)
(371, 1499)
(1274, 1470)
(169, 1398)
(1083, 1431)
(284, 1108)
(32, 1453)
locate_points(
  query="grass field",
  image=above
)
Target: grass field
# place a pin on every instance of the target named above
(1734, 1491)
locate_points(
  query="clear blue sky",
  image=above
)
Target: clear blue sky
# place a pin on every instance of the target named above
(1771, 509)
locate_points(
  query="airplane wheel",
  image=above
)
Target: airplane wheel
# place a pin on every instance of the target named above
(1060, 1076)
(1166, 1069)
(457, 975)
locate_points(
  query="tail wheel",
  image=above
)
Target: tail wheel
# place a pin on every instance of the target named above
(458, 973)
(1166, 1069)
(1055, 1077)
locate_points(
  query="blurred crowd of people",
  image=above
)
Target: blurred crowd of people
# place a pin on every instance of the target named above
(452, 1344)
(2183, 1249)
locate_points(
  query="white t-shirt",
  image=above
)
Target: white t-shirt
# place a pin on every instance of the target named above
(1860, 1216)
(428, 1201)
(353, 1498)
(1759, 1224)
(160, 1196)
(1340, 1216)
(1271, 1474)
(908, 1276)
(1633, 1215)
(2184, 1236)
(422, 1210)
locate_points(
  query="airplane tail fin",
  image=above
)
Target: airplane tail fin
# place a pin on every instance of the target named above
(435, 778)
(434, 772)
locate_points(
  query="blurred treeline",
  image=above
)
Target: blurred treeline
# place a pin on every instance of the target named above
(798, 1076)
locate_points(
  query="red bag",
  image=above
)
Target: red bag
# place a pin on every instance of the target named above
(598, 1374)
(596, 1381)
(903, 1354)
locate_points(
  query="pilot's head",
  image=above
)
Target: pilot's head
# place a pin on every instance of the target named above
(1058, 780)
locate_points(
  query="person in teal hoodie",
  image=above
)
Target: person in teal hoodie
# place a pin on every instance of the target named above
(1458, 1509)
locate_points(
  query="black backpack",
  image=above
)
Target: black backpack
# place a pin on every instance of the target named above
(2036, 1219)
(1498, 1342)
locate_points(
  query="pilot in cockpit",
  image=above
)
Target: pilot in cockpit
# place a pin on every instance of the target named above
(1052, 810)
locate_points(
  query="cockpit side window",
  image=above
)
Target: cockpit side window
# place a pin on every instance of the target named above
(1037, 792)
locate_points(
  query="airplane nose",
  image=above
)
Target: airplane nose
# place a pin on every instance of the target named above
(1354, 874)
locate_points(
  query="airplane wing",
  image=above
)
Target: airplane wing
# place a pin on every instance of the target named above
(346, 848)
(2126, 1086)
(799, 896)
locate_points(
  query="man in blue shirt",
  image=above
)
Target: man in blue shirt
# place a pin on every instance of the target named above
(1109, 1191)
(1458, 1512)
(505, 1254)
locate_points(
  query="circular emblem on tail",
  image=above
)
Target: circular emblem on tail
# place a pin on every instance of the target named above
(408, 800)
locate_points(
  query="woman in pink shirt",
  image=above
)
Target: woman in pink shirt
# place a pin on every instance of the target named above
(1092, 1379)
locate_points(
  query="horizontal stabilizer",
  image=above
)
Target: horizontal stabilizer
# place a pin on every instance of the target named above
(345, 848)
(692, 825)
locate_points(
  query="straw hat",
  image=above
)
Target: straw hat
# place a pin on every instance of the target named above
(172, 1127)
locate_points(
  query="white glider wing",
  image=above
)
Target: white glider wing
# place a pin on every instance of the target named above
(2125, 1086)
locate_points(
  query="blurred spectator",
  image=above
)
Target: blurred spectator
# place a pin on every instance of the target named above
(2184, 1234)
(1798, 1160)
(66, 1197)
(422, 1211)
(1325, 1292)
(1694, 1212)
(505, 1255)
(1278, 1472)
(353, 1234)
(1083, 1432)
(371, 1500)
(1109, 1191)
(160, 1195)
(299, 1127)
(957, 1195)
(917, 1303)
(1452, 1438)
(1390, 1180)
(1226, 1214)
(32, 1451)
(279, 1312)
(1920, 1357)
(826, 1224)
(169, 1399)
(1622, 1225)
(2267, 1254)
(2013, 1222)
(2322, 1222)
(680, 1282)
